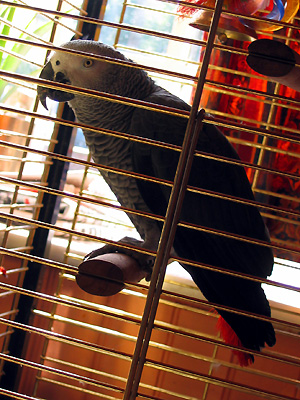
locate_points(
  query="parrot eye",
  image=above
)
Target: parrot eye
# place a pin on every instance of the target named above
(88, 63)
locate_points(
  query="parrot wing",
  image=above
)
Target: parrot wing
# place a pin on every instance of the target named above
(210, 212)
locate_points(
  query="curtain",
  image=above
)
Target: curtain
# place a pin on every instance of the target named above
(253, 111)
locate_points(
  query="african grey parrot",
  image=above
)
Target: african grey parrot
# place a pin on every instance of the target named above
(199, 209)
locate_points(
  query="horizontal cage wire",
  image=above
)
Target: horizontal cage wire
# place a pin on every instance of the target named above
(58, 340)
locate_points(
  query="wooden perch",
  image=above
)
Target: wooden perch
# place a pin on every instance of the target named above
(105, 275)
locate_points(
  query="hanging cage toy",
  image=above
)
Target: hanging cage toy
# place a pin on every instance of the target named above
(243, 29)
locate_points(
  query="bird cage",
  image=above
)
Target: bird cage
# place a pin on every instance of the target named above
(158, 339)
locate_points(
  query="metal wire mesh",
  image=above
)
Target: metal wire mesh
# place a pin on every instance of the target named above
(82, 346)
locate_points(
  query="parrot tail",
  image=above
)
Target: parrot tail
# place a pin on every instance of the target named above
(230, 337)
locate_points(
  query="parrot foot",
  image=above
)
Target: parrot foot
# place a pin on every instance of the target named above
(145, 261)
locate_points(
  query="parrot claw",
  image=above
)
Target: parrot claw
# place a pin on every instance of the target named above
(145, 261)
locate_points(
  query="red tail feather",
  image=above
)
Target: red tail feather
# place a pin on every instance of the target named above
(230, 337)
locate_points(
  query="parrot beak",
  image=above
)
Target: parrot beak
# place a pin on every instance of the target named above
(53, 94)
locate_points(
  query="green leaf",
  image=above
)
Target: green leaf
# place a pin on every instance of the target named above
(11, 63)
(6, 28)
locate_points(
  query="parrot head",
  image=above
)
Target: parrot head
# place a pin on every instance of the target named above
(49, 74)
(82, 70)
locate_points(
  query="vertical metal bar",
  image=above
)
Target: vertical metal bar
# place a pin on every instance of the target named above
(121, 20)
(172, 217)
(93, 8)
(49, 213)
(20, 278)
(211, 367)
(16, 343)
